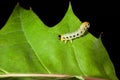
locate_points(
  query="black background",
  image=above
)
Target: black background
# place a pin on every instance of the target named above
(103, 16)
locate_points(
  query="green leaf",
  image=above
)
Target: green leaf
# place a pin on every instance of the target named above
(27, 45)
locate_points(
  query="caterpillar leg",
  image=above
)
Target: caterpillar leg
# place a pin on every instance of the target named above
(71, 40)
(65, 41)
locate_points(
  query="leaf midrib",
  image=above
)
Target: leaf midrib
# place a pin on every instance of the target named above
(22, 27)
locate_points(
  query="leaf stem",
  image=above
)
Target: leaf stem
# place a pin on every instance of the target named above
(35, 75)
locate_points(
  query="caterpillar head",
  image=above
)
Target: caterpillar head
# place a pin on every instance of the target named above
(60, 37)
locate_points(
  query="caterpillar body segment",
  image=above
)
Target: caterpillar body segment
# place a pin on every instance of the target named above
(73, 35)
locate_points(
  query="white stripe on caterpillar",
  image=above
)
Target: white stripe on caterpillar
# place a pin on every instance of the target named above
(70, 36)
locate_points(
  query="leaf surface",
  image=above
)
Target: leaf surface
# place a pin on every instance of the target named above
(27, 45)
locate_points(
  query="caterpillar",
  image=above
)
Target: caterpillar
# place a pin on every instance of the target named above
(78, 33)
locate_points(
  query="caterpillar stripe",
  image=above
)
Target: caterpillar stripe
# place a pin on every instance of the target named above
(78, 33)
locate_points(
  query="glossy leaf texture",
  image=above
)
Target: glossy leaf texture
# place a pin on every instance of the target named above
(27, 46)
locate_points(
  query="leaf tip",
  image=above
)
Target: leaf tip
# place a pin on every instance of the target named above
(30, 8)
(70, 5)
(100, 34)
(18, 3)
(69, 10)
(69, 2)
